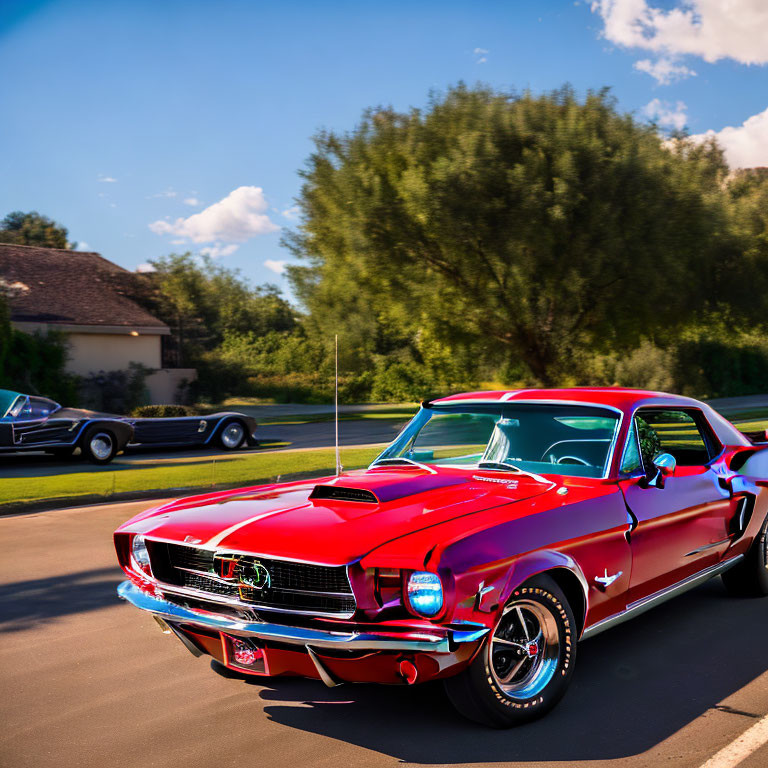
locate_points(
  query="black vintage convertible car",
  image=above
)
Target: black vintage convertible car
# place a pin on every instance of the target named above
(31, 423)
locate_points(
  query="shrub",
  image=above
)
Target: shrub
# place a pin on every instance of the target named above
(34, 364)
(723, 368)
(161, 411)
(115, 391)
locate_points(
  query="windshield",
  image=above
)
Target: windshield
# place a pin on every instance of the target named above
(557, 439)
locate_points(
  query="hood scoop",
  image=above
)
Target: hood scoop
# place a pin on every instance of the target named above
(340, 493)
(381, 486)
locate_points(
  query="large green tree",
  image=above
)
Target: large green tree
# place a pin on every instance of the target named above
(525, 227)
(204, 303)
(33, 228)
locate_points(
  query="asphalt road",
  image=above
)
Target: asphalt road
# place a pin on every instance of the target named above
(89, 681)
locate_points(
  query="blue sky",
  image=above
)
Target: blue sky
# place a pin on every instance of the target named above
(123, 119)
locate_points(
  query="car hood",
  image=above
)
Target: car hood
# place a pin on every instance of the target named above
(292, 522)
(83, 413)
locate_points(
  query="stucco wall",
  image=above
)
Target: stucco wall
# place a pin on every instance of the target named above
(94, 352)
(163, 385)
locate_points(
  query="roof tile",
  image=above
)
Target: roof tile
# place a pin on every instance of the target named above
(70, 288)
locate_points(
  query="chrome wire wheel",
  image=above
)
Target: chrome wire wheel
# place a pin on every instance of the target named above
(100, 446)
(232, 435)
(524, 649)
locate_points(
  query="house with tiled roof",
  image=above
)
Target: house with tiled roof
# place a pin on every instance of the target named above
(88, 298)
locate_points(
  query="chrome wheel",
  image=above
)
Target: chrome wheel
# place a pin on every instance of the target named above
(232, 435)
(765, 549)
(524, 649)
(100, 446)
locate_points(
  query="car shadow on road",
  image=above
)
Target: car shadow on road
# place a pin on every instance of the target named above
(26, 603)
(634, 686)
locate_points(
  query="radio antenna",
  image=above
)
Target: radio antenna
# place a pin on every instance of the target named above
(336, 406)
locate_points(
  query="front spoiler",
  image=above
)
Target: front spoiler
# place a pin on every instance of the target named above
(439, 640)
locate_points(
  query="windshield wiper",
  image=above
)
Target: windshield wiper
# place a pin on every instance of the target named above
(498, 465)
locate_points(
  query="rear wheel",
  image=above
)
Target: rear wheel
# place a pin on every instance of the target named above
(525, 666)
(232, 435)
(99, 445)
(750, 577)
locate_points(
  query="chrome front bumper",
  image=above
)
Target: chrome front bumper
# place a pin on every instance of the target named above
(439, 640)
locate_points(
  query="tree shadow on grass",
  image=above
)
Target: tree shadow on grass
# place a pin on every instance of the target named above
(634, 686)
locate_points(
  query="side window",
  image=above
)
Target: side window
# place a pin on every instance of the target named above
(630, 459)
(36, 408)
(674, 432)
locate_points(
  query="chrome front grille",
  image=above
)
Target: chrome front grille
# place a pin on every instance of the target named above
(291, 587)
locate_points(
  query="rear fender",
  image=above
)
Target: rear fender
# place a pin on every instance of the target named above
(227, 418)
(752, 463)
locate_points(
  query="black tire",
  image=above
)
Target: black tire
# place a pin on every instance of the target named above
(545, 670)
(231, 436)
(750, 577)
(99, 445)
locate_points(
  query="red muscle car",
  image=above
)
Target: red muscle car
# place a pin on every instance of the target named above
(497, 531)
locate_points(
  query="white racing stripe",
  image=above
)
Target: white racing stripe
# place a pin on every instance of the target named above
(740, 749)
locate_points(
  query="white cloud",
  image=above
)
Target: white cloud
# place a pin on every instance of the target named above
(292, 213)
(218, 249)
(745, 145)
(710, 29)
(145, 267)
(107, 179)
(278, 267)
(238, 217)
(83, 246)
(167, 192)
(482, 54)
(664, 70)
(191, 201)
(664, 114)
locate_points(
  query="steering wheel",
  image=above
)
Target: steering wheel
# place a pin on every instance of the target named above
(568, 460)
(573, 460)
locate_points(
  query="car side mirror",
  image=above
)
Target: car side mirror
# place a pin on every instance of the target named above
(663, 466)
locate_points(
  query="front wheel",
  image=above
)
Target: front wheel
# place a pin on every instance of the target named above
(749, 578)
(526, 664)
(99, 445)
(232, 436)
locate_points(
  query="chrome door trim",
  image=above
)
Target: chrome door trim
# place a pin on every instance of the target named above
(707, 546)
(646, 603)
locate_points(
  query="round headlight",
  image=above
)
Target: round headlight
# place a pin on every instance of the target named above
(139, 552)
(425, 593)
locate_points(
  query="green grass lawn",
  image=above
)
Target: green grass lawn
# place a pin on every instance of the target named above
(184, 473)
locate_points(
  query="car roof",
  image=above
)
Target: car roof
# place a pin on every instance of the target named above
(624, 399)
(616, 397)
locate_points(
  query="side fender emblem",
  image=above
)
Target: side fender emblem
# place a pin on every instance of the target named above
(606, 580)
